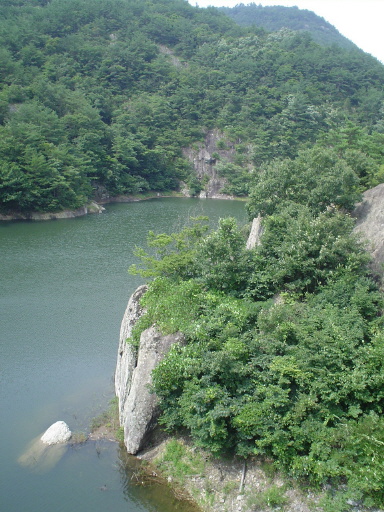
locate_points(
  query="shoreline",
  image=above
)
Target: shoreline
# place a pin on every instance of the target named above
(90, 208)
(226, 484)
(96, 207)
(211, 484)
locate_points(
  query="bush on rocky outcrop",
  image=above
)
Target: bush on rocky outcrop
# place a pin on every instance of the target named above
(283, 352)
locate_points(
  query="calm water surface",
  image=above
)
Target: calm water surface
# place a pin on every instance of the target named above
(64, 286)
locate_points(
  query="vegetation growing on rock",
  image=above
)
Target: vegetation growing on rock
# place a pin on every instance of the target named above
(284, 352)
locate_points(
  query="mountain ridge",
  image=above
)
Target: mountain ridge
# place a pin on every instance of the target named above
(274, 18)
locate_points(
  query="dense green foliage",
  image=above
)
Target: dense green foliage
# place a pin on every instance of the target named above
(284, 342)
(100, 96)
(317, 178)
(276, 17)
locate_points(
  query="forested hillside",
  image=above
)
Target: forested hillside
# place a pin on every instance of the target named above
(276, 17)
(100, 96)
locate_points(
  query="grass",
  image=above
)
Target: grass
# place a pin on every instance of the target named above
(180, 463)
(120, 434)
(78, 438)
(272, 497)
(109, 419)
(340, 500)
(229, 487)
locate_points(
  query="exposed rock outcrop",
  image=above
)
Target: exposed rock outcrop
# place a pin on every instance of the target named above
(138, 407)
(369, 216)
(255, 234)
(127, 354)
(141, 405)
(204, 162)
(175, 61)
(57, 433)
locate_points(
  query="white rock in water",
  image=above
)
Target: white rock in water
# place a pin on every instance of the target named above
(57, 433)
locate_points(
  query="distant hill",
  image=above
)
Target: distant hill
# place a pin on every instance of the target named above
(274, 18)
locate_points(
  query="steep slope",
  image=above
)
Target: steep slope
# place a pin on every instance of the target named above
(98, 99)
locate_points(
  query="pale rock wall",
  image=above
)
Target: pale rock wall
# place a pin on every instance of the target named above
(204, 164)
(254, 238)
(141, 408)
(138, 407)
(127, 354)
(369, 216)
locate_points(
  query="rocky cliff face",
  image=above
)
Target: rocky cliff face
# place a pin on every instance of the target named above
(204, 162)
(138, 409)
(369, 216)
(127, 354)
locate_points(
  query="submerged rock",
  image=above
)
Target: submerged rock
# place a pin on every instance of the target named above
(57, 433)
(40, 457)
(44, 452)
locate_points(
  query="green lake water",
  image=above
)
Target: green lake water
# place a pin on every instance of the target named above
(64, 287)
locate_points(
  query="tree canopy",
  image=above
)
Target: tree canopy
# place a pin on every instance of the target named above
(100, 96)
